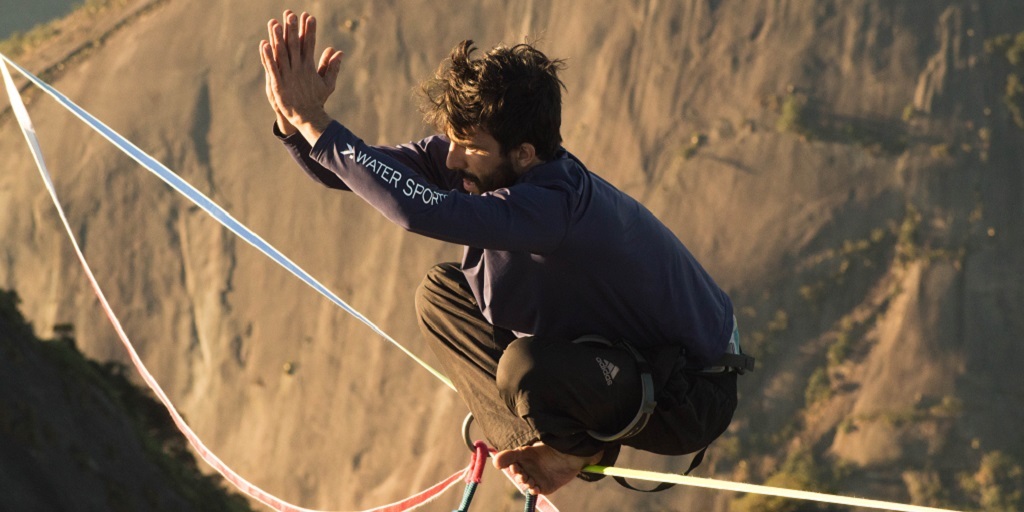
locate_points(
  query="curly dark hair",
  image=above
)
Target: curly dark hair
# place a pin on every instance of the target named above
(514, 94)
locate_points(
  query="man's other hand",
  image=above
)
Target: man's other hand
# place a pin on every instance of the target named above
(298, 84)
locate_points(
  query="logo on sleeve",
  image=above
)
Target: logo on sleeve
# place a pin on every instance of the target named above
(413, 188)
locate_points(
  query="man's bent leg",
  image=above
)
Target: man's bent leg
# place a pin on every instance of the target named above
(565, 389)
(469, 348)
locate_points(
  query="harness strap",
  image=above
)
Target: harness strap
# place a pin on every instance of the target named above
(739, 363)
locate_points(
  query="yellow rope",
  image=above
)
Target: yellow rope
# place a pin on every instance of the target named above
(709, 483)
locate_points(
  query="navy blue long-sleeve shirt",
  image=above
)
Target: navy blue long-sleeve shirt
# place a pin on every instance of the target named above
(560, 253)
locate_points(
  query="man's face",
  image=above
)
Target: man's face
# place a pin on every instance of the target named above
(479, 160)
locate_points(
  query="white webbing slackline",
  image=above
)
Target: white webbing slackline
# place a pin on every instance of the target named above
(245, 233)
(18, 107)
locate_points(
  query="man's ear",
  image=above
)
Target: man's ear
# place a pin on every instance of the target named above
(524, 156)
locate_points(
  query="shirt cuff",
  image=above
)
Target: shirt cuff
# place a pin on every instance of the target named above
(286, 138)
(326, 140)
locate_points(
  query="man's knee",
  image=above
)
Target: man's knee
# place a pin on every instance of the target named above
(535, 371)
(563, 384)
(520, 370)
(435, 285)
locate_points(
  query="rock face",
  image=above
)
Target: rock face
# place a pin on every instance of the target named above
(849, 171)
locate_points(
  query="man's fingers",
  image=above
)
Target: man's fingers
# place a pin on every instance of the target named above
(263, 57)
(272, 73)
(302, 25)
(330, 65)
(270, 35)
(291, 38)
(336, 59)
(277, 45)
(332, 69)
(308, 38)
(325, 59)
(267, 59)
(302, 33)
(266, 56)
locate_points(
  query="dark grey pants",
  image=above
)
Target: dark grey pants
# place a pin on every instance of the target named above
(529, 389)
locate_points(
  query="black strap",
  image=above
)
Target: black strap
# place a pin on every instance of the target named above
(697, 459)
(740, 363)
(660, 487)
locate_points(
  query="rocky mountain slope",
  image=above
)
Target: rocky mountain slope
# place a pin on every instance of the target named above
(851, 172)
(79, 436)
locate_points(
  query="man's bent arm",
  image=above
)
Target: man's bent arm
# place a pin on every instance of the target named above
(524, 217)
(426, 157)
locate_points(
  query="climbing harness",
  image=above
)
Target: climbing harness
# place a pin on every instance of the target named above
(643, 415)
(647, 401)
(540, 503)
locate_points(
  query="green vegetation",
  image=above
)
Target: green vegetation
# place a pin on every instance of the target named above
(794, 115)
(997, 484)
(926, 488)
(904, 235)
(907, 246)
(164, 444)
(819, 387)
(926, 409)
(800, 114)
(910, 247)
(837, 262)
(1009, 49)
(95, 7)
(757, 342)
(841, 349)
(20, 42)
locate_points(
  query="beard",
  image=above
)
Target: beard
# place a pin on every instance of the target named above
(500, 177)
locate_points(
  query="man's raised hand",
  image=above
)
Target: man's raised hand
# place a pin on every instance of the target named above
(297, 84)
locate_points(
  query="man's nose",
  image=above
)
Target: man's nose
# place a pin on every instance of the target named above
(456, 156)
